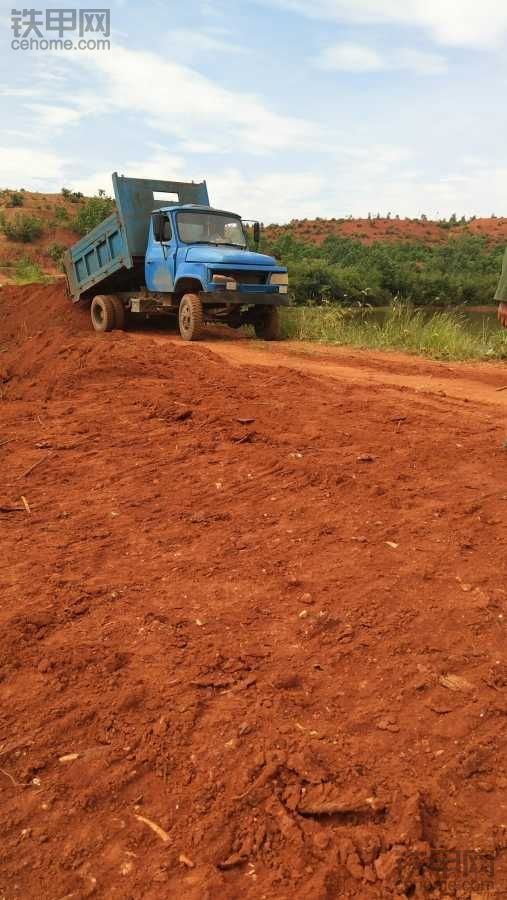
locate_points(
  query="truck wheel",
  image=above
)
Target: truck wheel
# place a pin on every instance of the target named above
(119, 313)
(191, 317)
(102, 313)
(267, 327)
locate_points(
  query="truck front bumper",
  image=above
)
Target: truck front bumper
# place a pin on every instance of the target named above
(246, 294)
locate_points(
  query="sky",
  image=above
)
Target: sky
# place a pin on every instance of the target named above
(287, 108)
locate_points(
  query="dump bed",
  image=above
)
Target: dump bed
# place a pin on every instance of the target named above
(111, 257)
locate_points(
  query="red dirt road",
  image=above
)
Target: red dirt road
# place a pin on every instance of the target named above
(253, 626)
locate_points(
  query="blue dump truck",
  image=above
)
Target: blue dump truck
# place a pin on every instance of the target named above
(167, 251)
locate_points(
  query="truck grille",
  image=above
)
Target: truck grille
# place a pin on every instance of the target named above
(241, 277)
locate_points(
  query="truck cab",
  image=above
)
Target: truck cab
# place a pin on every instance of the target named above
(184, 258)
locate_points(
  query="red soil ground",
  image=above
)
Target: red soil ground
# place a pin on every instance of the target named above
(259, 600)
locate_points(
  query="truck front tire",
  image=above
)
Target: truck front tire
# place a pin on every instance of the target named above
(267, 326)
(102, 313)
(191, 317)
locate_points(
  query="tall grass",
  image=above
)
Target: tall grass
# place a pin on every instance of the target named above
(27, 271)
(441, 335)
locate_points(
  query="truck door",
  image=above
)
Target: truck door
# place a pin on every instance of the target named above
(159, 259)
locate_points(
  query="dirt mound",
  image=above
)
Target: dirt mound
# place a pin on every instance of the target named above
(252, 626)
(35, 308)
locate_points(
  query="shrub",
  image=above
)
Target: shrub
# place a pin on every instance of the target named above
(56, 251)
(15, 199)
(91, 213)
(73, 196)
(61, 215)
(23, 228)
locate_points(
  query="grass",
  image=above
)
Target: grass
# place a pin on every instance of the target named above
(27, 271)
(441, 335)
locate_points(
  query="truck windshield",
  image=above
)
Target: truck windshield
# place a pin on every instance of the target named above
(210, 228)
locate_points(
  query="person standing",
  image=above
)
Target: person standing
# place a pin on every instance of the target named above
(501, 294)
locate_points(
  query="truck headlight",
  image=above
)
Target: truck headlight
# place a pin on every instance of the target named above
(282, 280)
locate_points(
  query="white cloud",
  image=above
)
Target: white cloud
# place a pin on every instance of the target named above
(20, 93)
(350, 57)
(273, 197)
(190, 106)
(191, 43)
(465, 23)
(276, 196)
(419, 61)
(30, 168)
(54, 117)
(159, 165)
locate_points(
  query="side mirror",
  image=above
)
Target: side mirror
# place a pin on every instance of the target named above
(257, 233)
(158, 226)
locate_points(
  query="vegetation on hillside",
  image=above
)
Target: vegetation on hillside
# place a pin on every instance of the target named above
(91, 212)
(27, 271)
(347, 272)
(23, 228)
(11, 198)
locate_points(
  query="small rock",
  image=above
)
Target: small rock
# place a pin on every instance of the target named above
(353, 865)
(369, 874)
(388, 724)
(321, 841)
(386, 866)
(345, 848)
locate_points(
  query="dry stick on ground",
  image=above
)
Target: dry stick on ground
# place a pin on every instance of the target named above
(504, 388)
(34, 466)
(154, 827)
(15, 783)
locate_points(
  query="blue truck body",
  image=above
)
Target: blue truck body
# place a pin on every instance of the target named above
(150, 255)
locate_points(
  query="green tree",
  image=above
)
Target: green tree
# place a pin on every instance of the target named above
(93, 211)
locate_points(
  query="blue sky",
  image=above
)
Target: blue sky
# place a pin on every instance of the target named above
(288, 108)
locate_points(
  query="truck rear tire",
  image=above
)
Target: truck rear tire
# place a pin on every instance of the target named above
(267, 327)
(119, 313)
(191, 317)
(102, 313)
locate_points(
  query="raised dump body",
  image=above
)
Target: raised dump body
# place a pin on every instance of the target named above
(112, 254)
(167, 251)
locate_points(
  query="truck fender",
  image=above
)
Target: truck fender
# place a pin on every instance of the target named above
(187, 285)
